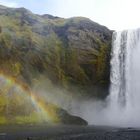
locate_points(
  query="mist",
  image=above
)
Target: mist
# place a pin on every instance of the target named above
(121, 106)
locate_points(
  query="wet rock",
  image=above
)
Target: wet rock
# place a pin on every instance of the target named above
(66, 118)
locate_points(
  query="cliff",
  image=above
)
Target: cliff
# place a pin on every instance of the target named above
(72, 54)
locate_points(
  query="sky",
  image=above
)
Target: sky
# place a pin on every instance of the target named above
(115, 14)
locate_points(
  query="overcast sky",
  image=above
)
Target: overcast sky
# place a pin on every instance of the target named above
(115, 14)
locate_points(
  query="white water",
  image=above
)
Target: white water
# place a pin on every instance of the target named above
(124, 98)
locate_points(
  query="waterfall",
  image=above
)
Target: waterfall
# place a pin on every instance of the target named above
(124, 98)
(122, 106)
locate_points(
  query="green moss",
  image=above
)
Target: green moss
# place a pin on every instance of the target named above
(31, 119)
(102, 64)
(2, 120)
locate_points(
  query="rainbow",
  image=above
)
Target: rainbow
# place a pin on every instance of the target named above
(47, 111)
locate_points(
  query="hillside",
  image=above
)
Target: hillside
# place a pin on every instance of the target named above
(71, 54)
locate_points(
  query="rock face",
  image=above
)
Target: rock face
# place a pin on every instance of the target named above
(72, 54)
(66, 118)
(88, 48)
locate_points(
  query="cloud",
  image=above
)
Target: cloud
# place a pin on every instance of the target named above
(8, 3)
